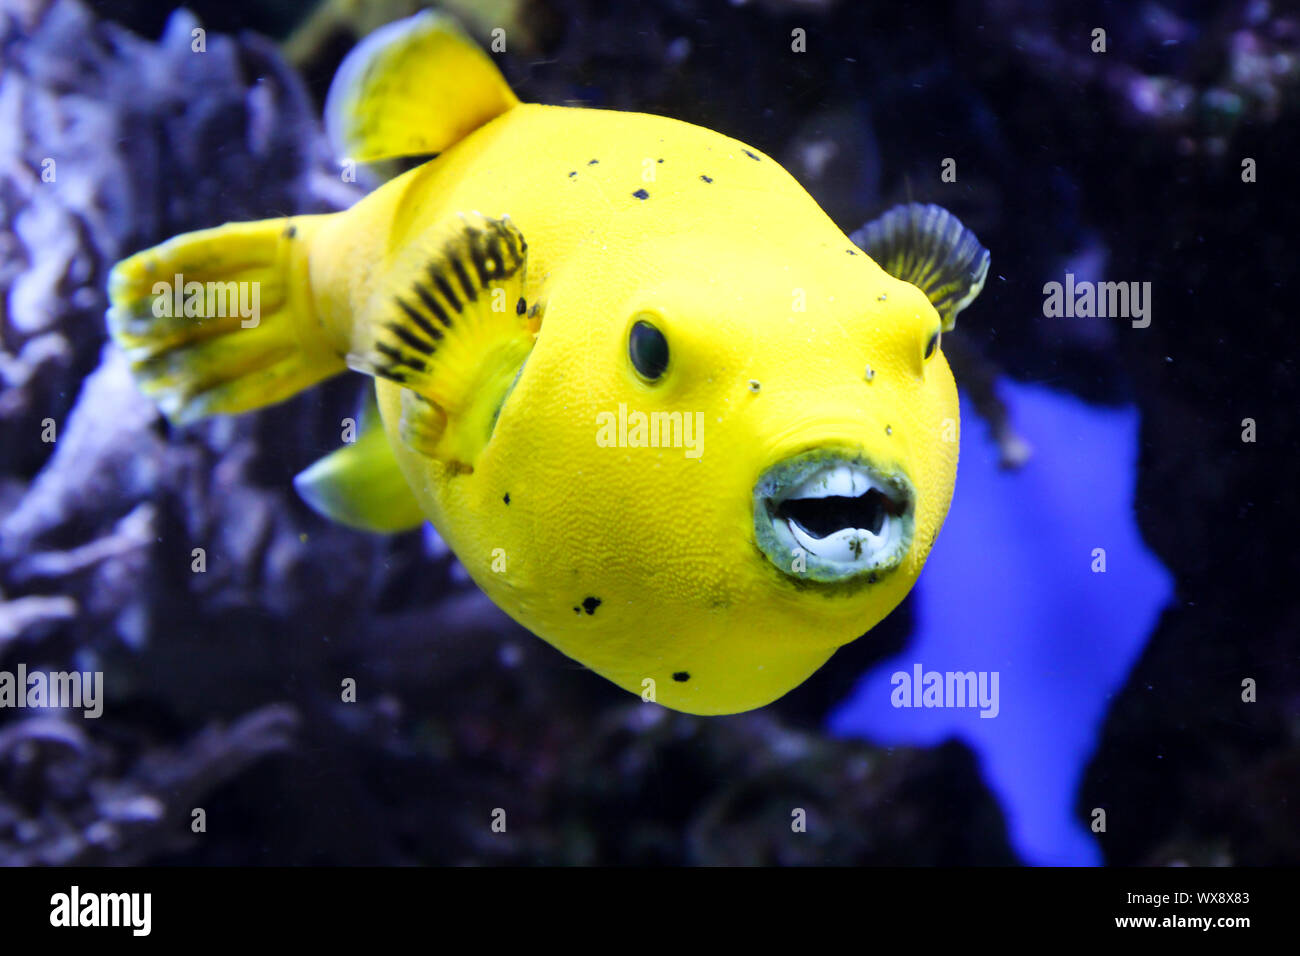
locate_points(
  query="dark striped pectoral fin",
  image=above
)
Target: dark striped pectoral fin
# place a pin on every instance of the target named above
(929, 247)
(453, 328)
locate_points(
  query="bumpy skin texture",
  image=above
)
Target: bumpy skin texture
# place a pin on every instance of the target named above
(664, 542)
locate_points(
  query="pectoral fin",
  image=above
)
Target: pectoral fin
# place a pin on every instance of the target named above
(452, 327)
(361, 485)
(929, 247)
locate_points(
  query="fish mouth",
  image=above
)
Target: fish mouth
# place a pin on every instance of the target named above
(831, 517)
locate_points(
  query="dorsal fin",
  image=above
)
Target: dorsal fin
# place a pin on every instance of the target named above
(928, 246)
(452, 326)
(412, 87)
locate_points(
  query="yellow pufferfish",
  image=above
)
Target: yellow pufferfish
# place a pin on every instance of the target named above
(670, 418)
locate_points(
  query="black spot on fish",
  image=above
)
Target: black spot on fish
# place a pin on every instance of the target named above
(590, 604)
(641, 194)
(659, 160)
(506, 499)
(592, 162)
(889, 429)
(291, 231)
(707, 179)
(573, 173)
(521, 306)
(852, 252)
(577, 610)
(681, 677)
(751, 155)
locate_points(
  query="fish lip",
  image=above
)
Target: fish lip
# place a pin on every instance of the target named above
(876, 555)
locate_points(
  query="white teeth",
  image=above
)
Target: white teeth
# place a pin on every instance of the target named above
(848, 545)
(844, 552)
(842, 481)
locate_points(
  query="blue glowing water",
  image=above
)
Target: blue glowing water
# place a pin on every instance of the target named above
(1010, 587)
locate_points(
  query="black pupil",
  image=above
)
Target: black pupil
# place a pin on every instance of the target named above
(648, 349)
(931, 345)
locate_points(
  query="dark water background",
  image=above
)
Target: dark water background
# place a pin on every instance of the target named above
(1121, 692)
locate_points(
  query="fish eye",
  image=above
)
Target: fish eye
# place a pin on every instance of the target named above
(648, 350)
(932, 346)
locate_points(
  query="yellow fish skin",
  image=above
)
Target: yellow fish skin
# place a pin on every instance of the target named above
(651, 270)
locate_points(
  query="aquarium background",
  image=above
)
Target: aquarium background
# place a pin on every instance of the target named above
(1163, 692)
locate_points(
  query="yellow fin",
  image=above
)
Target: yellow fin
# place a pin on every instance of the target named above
(928, 246)
(412, 87)
(451, 326)
(221, 321)
(361, 485)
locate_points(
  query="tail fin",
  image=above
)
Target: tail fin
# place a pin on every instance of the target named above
(221, 321)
